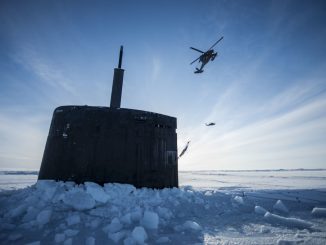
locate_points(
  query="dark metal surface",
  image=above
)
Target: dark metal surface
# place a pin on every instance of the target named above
(120, 57)
(116, 92)
(102, 145)
(117, 83)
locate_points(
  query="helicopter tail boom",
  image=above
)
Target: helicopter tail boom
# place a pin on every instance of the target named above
(197, 50)
(194, 60)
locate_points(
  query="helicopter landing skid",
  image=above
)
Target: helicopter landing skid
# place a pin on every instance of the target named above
(198, 71)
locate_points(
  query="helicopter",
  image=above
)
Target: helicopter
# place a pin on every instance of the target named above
(210, 124)
(184, 149)
(205, 57)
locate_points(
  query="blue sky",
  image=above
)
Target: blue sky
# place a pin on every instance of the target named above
(266, 91)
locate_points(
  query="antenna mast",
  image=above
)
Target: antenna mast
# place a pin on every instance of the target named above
(117, 83)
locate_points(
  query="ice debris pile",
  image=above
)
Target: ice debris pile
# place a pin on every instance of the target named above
(116, 213)
(67, 213)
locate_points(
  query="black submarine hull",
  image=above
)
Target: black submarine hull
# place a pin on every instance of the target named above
(106, 145)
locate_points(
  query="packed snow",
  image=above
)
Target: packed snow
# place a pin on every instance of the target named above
(210, 207)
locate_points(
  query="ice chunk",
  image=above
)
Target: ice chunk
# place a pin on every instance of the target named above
(129, 241)
(18, 211)
(79, 200)
(163, 239)
(97, 192)
(239, 200)
(95, 223)
(90, 241)
(44, 217)
(114, 226)
(104, 212)
(263, 229)
(283, 241)
(32, 199)
(28, 225)
(7, 226)
(319, 212)
(116, 237)
(62, 226)
(73, 219)
(126, 219)
(208, 193)
(279, 206)
(290, 222)
(175, 203)
(136, 215)
(70, 232)
(192, 225)
(116, 191)
(31, 214)
(199, 200)
(47, 188)
(60, 237)
(33, 243)
(178, 228)
(187, 188)
(69, 185)
(15, 236)
(139, 234)
(45, 185)
(260, 210)
(68, 242)
(150, 220)
(164, 213)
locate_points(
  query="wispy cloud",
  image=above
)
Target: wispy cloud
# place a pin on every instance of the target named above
(22, 141)
(44, 69)
(156, 68)
(289, 129)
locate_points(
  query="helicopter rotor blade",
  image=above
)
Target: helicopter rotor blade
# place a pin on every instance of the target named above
(194, 60)
(197, 50)
(216, 43)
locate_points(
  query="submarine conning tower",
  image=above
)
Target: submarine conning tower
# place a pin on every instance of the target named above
(111, 144)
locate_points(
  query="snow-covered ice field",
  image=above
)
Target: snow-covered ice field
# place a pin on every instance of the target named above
(210, 207)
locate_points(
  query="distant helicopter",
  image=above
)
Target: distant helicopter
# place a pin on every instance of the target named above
(210, 124)
(184, 149)
(205, 57)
